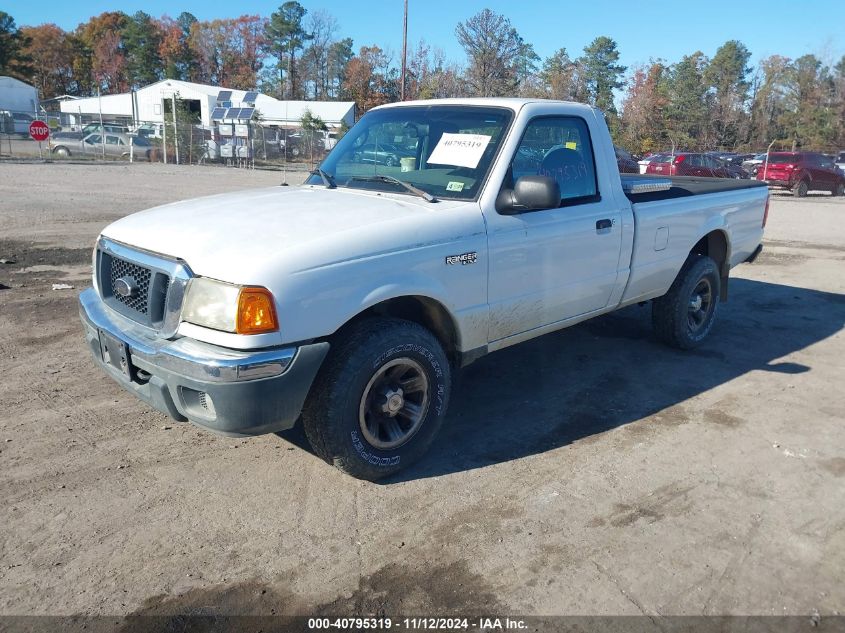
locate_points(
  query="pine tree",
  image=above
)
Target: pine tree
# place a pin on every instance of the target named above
(285, 37)
(14, 61)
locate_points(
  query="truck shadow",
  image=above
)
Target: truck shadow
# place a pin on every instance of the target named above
(569, 386)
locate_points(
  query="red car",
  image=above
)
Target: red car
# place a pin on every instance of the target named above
(688, 164)
(801, 172)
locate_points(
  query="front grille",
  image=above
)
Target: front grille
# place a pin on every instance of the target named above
(146, 304)
(141, 276)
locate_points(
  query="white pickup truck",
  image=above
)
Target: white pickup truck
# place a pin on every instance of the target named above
(434, 233)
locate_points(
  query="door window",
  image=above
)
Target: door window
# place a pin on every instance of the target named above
(112, 140)
(559, 147)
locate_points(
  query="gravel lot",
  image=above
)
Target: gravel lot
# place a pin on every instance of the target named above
(592, 471)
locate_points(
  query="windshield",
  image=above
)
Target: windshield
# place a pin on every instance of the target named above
(444, 150)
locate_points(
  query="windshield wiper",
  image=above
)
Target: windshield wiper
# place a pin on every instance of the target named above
(327, 178)
(382, 178)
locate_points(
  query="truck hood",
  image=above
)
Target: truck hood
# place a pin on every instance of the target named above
(236, 236)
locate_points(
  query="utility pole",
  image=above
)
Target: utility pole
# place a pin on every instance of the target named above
(404, 52)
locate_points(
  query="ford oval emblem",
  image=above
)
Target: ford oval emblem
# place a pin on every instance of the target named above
(126, 287)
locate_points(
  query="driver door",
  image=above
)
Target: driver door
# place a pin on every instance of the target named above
(550, 265)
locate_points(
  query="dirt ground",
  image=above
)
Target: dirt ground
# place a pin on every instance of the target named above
(591, 471)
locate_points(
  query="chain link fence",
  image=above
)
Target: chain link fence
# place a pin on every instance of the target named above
(246, 144)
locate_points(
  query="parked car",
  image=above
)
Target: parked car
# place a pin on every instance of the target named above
(691, 164)
(380, 154)
(725, 157)
(732, 159)
(91, 128)
(739, 159)
(15, 122)
(751, 165)
(351, 301)
(801, 172)
(147, 130)
(626, 163)
(92, 145)
(645, 160)
(733, 170)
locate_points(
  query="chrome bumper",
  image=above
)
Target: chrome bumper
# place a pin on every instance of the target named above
(184, 356)
(233, 392)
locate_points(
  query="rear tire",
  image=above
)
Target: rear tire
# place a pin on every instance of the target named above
(839, 190)
(380, 398)
(800, 190)
(684, 316)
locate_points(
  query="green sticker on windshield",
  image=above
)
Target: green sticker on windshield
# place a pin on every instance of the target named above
(455, 186)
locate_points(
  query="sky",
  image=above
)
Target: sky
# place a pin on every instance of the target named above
(642, 29)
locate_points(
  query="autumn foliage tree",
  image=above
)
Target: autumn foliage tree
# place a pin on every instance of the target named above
(644, 109)
(52, 52)
(229, 52)
(366, 81)
(101, 38)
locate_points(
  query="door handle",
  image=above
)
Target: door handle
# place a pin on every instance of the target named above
(603, 225)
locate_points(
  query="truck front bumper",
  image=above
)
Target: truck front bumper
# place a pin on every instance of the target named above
(232, 392)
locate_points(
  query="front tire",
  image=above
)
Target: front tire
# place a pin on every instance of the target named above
(62, 152)
(684, 316)
(800, 190)
(380, 398)
(839, 190)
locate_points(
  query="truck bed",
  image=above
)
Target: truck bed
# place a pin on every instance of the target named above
(684, 186)
(670, 221)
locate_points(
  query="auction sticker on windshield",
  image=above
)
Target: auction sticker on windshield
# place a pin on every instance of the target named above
(461, 150)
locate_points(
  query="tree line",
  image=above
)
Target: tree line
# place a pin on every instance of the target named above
(697, 102)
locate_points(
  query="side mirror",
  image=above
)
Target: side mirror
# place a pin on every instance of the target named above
(530, 193)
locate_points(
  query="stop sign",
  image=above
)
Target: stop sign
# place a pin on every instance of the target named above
(39, 130)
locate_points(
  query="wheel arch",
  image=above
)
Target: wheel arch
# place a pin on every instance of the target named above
(425, 311)
(716, 246)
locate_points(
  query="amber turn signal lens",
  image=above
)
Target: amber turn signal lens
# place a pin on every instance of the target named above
(256, 313)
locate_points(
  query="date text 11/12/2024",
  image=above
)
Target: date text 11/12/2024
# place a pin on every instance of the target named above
(417, 624)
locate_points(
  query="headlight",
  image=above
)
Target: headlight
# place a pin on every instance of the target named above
(230, 308)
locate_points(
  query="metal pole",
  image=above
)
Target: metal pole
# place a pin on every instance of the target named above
(404, 52)
(766, 167)
(134, 114)
(672, 159)
(131, 150)
(164, 133)
(175, 133)
(285, 163)
(102, 127)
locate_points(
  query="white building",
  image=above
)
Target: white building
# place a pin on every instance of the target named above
(150, 103)
(18, 96)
